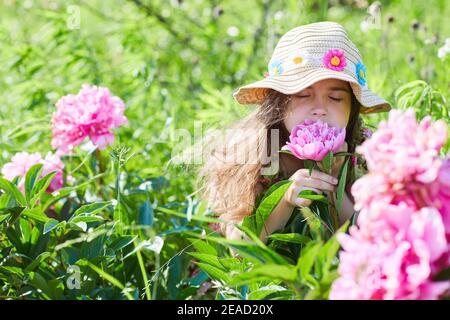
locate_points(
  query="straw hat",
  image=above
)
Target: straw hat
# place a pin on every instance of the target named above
(310, 53)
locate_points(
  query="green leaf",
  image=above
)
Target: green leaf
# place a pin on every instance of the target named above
(311, 195)
(274, 187)
(64, 192)
(146, 214)
(35, 214)
(272, 272)
(86, 217)
(80, 226)
(7, 200)
(3, 218)
(231, 263)
(37, 261)
(310, 165)
(50, 225)
(329, 250)
(264, 292)
(307, 258)
(12, 213)
(121, 242)
(214, 272)
(31, 179)
(341, 186)
(250, 221)
(252, 251)
(286, 151)
(290, 237)
(208, 258)
(327, 162)
(25, 229)
(92, 208)
(313, 221)
(107, 277)
(203, 246)
(268, 204)
(41, 186)
(39, 282)
(342, 153)
(12, 188)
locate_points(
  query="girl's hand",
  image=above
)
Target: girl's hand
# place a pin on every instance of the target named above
(318, 182)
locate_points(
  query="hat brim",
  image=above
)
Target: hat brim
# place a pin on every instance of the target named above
(256, 92)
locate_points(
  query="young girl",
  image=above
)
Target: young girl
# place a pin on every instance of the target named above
(315, 72)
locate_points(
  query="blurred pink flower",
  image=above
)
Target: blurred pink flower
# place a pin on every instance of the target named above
(92, 113)
(312, 140)
(402, 235)
(403, 150)
(21, 162)
(395, 259)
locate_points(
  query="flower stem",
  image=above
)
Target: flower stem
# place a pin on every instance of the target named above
(101, 169)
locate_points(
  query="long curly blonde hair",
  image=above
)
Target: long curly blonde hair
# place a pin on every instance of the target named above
(230, 187)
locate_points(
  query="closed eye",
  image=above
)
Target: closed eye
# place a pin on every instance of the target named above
(336, 99)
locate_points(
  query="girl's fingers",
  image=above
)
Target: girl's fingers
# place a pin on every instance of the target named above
(299, 202)
(315, 183)
(317, 175)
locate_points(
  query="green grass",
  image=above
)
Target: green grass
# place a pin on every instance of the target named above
(172, 64)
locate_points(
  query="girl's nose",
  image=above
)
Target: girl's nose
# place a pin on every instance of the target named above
(319, 111)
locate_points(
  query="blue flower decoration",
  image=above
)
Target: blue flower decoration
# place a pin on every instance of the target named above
(361, 73)
(275, 68)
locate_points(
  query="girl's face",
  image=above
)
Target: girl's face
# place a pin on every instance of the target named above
(328, 100)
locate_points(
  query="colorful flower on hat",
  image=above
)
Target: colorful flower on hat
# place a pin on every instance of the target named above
(361, 73)
(275, 68)
(334, 59)
(298, 58)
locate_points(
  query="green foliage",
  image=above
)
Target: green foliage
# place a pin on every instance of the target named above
(271, 199)
(310, 277)
(129, 225)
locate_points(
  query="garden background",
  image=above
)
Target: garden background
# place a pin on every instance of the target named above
(172, 63)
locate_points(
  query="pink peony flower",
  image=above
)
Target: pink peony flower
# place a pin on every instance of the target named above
(359, 269)
(402, 236)
(334, 59)
(314, 139)
(21, 162)
(92, 113)
(393, 258)
(403, 150)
